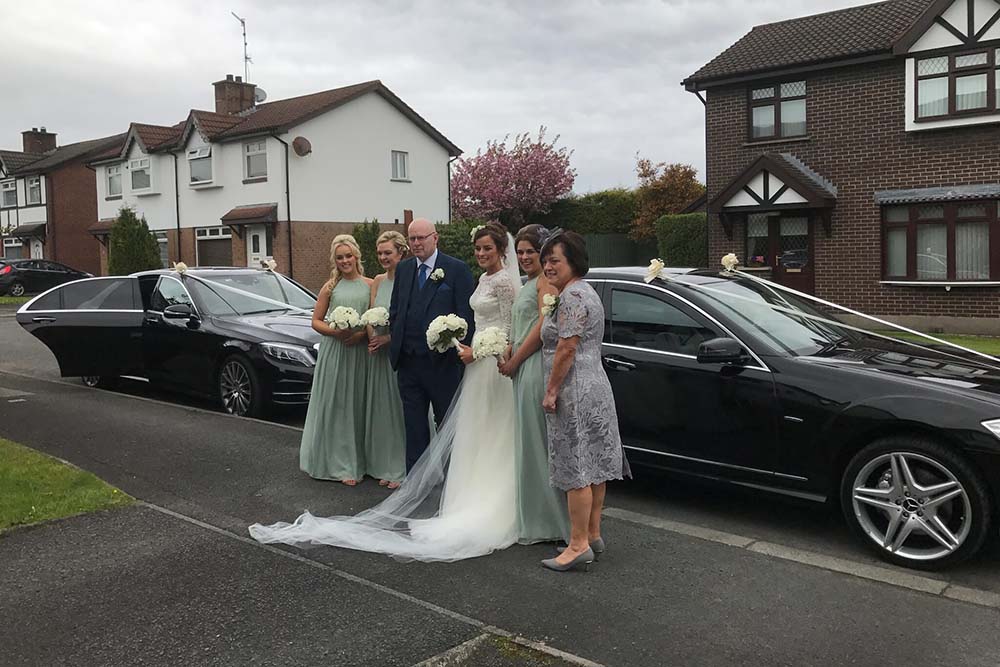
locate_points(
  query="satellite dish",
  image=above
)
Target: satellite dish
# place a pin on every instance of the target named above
(259, 95)
(301, 146)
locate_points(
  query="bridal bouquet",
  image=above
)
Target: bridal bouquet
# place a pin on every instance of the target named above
(490, 342)
(375, 317)
(344, 317)
(446, 331)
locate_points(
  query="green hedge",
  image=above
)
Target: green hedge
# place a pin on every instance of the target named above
(683, 240)
(604, 212)
(366, 234)
(455, 239)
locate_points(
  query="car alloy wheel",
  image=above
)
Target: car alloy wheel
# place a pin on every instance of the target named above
(91, 380)
(17, 289)
(237, 387)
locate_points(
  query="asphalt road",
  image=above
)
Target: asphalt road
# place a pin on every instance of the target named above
(694, 575)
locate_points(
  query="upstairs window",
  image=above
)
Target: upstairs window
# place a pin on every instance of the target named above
(778, 111)
(957, 84)
(140, 174)
(34, 185)
(255, 153)
(939, 242)
(400, 166)
(200, 162)
(114, 176)
(9, 190)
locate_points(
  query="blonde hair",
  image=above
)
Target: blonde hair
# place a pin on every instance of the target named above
(350, 242)
(396, 239)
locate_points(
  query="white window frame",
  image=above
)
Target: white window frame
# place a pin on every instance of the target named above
(220, 232)
(112, 171)
(400, 165)
(250, 149)
(137, 165)
(12, 242)
(5, 187)
(33, 183)
(201, 153)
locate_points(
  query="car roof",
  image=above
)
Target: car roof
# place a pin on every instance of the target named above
(199, 269)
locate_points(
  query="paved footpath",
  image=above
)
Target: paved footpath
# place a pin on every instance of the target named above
(175, 580)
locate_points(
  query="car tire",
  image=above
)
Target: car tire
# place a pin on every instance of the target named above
(99, 381)
(16, 289)
(239, 387)
(889, 499)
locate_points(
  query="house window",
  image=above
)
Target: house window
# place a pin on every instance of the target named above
(200, 162)
(778, 111)
(256, 159)
(161, 241)
(757, 240)
(140, 174)
(939, 241)
(114, 174)
(34, 190)
(9, 190)
(957, 84)
(400, 166)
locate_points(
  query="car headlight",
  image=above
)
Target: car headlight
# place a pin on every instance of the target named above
(292, 354)
(993, 426)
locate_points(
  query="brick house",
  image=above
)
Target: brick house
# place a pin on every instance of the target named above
(251, 180)
(853, 155)
(47, 199)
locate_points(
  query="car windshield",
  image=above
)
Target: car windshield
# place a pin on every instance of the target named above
(220, 293)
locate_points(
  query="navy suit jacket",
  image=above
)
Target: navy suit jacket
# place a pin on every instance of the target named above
(449, 295)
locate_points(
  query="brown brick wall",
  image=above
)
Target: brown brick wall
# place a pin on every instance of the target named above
(857, 140)
(71, 193)
(311, 248)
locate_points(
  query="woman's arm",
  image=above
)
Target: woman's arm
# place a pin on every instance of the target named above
(319, 314)
(375, 343)
(533, 342)
(561, 363)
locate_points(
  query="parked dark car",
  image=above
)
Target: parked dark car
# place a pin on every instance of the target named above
(241, 336)
(31, 276)
(730, 379)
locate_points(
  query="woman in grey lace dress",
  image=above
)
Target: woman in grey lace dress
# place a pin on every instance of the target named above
(585, 450)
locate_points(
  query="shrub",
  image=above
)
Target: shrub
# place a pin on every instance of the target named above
(455, 239)
(366, 234)
(132, 246)
(604, 212)
(683, 239)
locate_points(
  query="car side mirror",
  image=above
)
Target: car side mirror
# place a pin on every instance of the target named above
(178, 311)
(721, 351)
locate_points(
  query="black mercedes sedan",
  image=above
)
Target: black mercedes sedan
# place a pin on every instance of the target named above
(730, 378)
(31, 276)
(241, 336)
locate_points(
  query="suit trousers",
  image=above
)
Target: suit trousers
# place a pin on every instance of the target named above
(424, 382)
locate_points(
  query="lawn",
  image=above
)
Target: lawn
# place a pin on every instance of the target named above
(35, 487)
(984, 344)
(14, 300)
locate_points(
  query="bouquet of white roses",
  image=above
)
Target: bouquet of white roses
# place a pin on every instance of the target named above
(375, 317)
(490, 342)
(344, 317)
(445, 332)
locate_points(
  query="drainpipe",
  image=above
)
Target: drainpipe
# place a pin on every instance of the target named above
(449, 187)
(704, 103)
(288, 207)
(50, 211)
(177, 210)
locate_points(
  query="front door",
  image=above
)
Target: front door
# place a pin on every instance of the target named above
(782, 242)
(258, 245)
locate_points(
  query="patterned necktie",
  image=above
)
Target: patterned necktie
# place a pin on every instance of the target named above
(422, 275)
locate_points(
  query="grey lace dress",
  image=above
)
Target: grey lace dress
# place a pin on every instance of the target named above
(584, 445)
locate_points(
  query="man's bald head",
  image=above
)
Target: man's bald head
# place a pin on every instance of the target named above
(423, 238)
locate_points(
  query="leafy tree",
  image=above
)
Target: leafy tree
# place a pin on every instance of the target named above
(132, 246)
(455, 239)
(512, 181)
(366, 234)
(664, 189)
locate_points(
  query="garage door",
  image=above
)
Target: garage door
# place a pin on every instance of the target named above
(215, 252)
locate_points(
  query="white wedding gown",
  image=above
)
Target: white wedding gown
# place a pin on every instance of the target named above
(458, 501)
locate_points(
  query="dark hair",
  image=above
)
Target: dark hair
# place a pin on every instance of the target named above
(573, 247)
(533, 234)
(495, 231)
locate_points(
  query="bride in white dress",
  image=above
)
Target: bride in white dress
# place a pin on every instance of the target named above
(458, 500)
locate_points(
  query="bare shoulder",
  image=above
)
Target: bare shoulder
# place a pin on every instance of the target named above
(368, 281)
(327, 286)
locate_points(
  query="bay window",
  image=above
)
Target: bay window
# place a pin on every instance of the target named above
(940, 242)
(957, 84)
(778, 111)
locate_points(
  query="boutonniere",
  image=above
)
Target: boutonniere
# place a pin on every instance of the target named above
(549, 304)
(437, 275)
(730, 262)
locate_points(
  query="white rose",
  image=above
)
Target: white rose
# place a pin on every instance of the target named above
(656, 267)
(729, 262)
(437, 274)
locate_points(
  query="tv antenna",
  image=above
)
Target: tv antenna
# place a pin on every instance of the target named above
(246, 58)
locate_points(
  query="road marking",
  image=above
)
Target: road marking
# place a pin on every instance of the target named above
(430, 606)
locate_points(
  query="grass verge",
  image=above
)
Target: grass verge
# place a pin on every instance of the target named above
(35, 487)
(14, 300)
(984, 344)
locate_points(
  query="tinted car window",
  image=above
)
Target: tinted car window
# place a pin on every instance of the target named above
(98, 295)
(641, 320)
(169, 292)
(225, 293)
(50, 301)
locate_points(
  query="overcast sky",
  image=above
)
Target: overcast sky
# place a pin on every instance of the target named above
(603, 75)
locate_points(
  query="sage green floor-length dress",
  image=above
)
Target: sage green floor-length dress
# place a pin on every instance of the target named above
(385, 433)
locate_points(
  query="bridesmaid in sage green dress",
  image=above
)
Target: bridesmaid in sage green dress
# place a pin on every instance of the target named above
(334, 435)
(385, 433)
(541, 508)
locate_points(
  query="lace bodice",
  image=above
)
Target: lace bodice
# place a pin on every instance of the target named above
(493, 301)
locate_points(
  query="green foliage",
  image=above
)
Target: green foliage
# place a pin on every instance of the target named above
(604, 212)
(132, 246)
(683, 239)
(455, 239)
(366, 234)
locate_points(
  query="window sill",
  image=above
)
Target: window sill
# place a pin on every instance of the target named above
(400, 180)
(112, 198)
(759, 269)
(947, 284)
(257, 179)
(145, 193)
(769, 142)
(209, 185)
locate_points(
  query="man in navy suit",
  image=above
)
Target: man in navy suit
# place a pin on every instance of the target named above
(428, 284)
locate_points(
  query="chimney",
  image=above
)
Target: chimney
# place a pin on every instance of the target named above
(38, 140)
(233, 95)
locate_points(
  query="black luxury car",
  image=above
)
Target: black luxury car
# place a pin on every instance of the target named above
(31, 276)
(734, 379)
(243, 336)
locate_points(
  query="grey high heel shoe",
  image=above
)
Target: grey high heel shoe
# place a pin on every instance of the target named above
(597, 545)
(583, 560)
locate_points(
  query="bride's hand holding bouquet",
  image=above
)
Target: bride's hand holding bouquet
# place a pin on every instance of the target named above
(446, 332)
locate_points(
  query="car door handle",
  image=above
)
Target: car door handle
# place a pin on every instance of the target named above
(151, 319)
(619, 364)
(43, 320)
